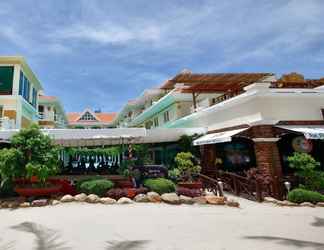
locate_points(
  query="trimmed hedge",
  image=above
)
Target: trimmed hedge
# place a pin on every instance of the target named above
(85, 179)
(300, 195)
(98, 187)
(160, 185)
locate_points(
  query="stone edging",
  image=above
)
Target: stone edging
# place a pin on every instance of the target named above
(286, 203)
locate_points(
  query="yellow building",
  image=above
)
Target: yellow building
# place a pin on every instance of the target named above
(19, 90)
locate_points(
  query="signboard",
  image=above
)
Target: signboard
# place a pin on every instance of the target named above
(152, 171)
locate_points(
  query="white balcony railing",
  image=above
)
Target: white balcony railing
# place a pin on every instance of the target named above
(6, 123)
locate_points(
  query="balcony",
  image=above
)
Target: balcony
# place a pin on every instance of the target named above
(6, 123)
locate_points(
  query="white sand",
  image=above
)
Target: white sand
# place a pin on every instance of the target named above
(91, 226)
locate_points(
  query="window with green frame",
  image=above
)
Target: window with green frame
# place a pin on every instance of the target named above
(6, 79)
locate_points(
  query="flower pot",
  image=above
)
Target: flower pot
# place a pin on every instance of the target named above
(191, 185)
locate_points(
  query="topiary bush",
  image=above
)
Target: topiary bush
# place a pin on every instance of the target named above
(300, 195)
(160, 185)
(85, 179)
(98, 187)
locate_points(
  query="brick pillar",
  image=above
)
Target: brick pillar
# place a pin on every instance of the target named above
(268, 161)
(208, 156)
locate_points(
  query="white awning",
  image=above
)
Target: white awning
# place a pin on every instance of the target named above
(220, 137)
(310, 132)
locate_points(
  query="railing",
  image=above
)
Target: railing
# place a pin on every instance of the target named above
(245, 187)
(227, 96)
(211, 185)
(6, 123)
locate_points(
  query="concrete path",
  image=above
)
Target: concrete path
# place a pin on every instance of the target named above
(161, 226)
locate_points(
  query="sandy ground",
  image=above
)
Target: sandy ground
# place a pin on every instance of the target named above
(161, 226)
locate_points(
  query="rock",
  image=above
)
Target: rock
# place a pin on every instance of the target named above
(107, 201)
(39, 203)
(5, 204)
(215, 200)
(93, 198)
(320, 204)
(199, 200)
(124, 200)
(307, 204)
(171, 198)
(154, 197)
(286, 203)
(13, 204)
(232, 203)
(55, 202)
(141, 198)
(80, 197)
(67, 198)
(270, 200)
(186, 199)
(24, 204)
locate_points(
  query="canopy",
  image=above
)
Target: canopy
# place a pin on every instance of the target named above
(310, 132)
(114, 136)
(220, 137)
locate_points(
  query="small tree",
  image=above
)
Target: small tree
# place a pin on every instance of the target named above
(186, 166)
(32, 154)
(305, 166)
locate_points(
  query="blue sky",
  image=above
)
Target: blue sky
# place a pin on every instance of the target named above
(99, 54)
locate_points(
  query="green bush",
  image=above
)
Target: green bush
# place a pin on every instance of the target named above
(307, 168)
(98, 187)
(160, 185)
(85, 179)
(300, 195)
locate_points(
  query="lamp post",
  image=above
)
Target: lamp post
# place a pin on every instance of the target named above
(221, 187)
(287, 186)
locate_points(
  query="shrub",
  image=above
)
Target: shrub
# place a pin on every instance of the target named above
(189, 192)
(300, 195)
(98, 187)
(186, 167)
(85, 179)
(160, 185)
(174, 174)
(117, 193)
(305, 166)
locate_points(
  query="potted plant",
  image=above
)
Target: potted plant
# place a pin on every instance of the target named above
(188, 171)
(30, 162)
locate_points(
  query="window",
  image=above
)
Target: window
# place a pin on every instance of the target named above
(24, 87)
(166, 116)
(34, 97)
(87, 117)
(6, 79)
(156, 121)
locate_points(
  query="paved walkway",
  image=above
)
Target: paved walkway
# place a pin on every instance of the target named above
(161, 226)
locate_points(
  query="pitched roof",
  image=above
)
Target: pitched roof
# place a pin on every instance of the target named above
(214, 81)
(102, 116)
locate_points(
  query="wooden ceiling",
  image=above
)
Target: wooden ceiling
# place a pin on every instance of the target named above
(214, 82)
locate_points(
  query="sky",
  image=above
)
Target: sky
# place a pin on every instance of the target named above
(100, 53)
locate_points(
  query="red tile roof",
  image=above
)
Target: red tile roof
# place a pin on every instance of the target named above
(102, 117)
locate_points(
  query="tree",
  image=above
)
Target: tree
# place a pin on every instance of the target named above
(32, 154)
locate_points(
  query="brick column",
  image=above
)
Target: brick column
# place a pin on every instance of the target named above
(208, 156)
(267, 156)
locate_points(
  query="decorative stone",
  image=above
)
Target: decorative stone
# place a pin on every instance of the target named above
(5, 204)
(24, 204)
(171, 198)
(124, 200)
(55, 202)
(286, 203)
(154, 197)
(80, 197)
(270, 200)
(107, 201)
(67, 198)
(186, 199)
(141, 198)
(320, 204)
(307, 204)
(93, 198)
(39, 203)
(200, 200)
(13, 204)
(232, 203)
(215, 200)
